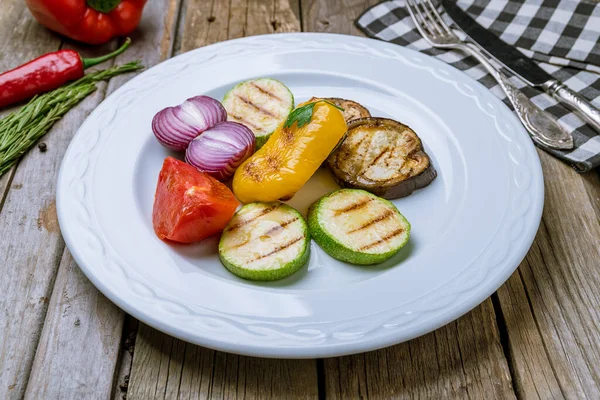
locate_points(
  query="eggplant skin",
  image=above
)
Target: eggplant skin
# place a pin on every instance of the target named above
(352, 109)
(382, 156)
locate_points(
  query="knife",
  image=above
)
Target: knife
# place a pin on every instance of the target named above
(522, 66)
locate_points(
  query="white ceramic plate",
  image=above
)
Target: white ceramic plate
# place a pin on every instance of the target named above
(471, 227)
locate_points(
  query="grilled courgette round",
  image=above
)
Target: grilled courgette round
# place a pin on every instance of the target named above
(265, 242)
(260, 104)
(357, 227)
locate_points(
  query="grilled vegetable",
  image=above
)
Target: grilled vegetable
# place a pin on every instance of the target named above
(265, 242)
(382, 156)
(190, 205)
(352, 109)
(357, 227)
(260, 104)
(175, 127)
(219, 150)
(292, 155)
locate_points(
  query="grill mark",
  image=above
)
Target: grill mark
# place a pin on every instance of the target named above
(257, 108)
(360, 142)
(265, 91)
(253, 170)
(278, 249)
(237, 246)
(353, 207)
(373, 221)
(272, 162)
(383, 239)
(279, 227)
(376, 159)
(260, 215)
(357, 145)
(369, 145)
(243, 121)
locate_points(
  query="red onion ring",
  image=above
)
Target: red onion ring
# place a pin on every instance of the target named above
(175, 127)
(221, 149)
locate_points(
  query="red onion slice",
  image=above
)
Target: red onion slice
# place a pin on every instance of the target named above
(221, 149)
(175, 127)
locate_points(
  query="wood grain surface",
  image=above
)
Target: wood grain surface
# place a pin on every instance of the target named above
(536, 338)
(551, 305)
(29, 251)
(167, 368)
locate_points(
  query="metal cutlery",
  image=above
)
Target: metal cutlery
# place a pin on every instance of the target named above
(542, 126)
(522, 66)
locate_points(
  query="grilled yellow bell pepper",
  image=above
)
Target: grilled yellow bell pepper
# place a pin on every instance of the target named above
(291, 155)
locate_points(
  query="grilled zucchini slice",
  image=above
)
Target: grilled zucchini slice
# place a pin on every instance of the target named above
(382, 156)
(265, 242)
(357, 227)
(260, 104)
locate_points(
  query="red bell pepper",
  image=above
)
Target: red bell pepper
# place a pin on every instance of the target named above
(89, 21)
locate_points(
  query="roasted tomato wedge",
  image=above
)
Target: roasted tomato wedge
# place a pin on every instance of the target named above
(190, 205)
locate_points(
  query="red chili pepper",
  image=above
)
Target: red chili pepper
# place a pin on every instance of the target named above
(89, 21)
(47, 72)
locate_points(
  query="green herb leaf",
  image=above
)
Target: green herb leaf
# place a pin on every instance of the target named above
(303, 115)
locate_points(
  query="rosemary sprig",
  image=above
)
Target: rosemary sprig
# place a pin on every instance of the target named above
(22, 128)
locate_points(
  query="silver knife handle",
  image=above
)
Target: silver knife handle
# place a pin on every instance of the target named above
(575, 102)
(543, 127)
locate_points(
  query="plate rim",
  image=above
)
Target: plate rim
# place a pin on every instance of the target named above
(341, 347)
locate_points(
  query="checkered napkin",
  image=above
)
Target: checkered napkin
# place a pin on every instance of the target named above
(563, 36)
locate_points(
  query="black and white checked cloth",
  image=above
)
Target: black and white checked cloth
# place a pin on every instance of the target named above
(562, 35)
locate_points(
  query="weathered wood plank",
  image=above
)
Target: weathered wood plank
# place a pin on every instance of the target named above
(76, 355)
(21, 37)
(333, 16)
(533, 374)
(168, 368)
(79, 346)
(462, 360)
(552, 308)
(270, 17)
(164, 367)
(31, 249)
(591, 182)
(125, 358)
(22, 303)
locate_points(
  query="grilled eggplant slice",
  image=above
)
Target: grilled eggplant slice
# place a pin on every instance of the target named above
(265, 242)
(260, 104)
(357, 227)
(383, 157)
(352, 109)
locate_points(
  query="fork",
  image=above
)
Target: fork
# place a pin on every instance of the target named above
(543, 127)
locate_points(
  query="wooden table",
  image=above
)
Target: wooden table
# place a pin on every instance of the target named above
(537, 337)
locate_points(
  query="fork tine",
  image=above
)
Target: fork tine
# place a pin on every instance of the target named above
(418, 20)
(429, 18)
(440, 21)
